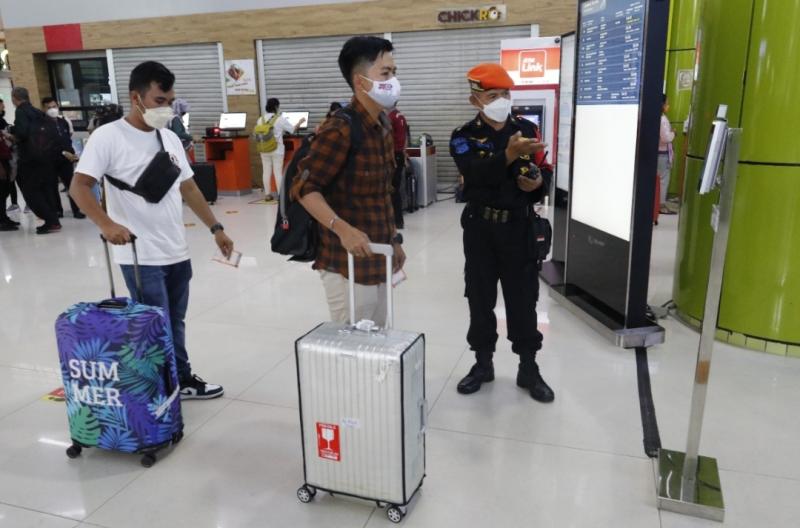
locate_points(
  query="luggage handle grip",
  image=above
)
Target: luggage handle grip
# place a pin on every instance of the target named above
(380, 249)
(136, 273)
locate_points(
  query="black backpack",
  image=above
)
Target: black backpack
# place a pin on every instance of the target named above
(296, 231)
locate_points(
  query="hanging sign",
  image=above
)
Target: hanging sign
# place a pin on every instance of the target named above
(240, 77)
(472, 15)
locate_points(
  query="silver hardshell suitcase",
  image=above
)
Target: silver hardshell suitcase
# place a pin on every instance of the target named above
(363, 408)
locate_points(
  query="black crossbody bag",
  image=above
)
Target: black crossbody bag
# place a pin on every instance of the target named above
(157, 178)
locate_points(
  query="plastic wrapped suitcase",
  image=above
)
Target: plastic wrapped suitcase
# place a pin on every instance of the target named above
(120, 375)
(205, 175)
(363, 411)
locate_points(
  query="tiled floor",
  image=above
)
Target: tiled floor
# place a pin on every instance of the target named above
(495, 458)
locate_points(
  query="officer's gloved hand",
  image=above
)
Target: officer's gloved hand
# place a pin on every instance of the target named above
(522, 146)
(529, 184)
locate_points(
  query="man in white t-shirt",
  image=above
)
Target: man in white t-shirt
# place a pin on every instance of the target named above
(272, 162)
(122, 150)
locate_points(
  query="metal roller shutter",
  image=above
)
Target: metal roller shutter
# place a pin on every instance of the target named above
(432, 67)
(304, 74)
(198, 79)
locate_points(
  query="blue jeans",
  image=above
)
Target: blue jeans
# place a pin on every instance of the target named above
(167, 287)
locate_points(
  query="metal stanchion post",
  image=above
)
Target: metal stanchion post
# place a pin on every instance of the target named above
(689, 483)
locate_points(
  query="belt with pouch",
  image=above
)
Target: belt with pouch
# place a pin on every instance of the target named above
(501, 216)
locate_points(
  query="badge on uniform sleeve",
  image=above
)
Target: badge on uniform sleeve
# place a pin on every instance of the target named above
(460, 145)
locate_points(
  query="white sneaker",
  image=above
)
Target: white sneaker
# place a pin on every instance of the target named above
(196, 389)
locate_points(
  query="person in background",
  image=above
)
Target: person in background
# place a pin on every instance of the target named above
(181, 108)
(122, 150)
(6, 180)
(496, 155)
(667, 136)
(104, 115)
(8, 140)
(354, 208)
(401, 133)
(33, 170)
(335, 106)
(65, 159)
(273, 125)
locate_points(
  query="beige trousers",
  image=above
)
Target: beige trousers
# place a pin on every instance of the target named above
(370, 300)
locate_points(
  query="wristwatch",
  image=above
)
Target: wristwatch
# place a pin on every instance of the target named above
(397, 239)
(216, 227)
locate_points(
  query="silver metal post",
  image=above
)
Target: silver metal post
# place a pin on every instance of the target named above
(689, 483)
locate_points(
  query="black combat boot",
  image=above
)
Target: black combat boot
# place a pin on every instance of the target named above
(528, 377)
(481, 372)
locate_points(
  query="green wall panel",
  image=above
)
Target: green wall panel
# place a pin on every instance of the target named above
(679, 102)
(685, 17)
(722, 45)
(694, 244)
(761, 291)
(771, 114)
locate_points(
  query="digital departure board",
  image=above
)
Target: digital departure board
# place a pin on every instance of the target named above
(610, 55)
(609, 71)
(619, 76)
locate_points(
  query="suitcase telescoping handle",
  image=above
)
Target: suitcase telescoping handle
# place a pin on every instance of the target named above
(136, 273)
(379, 249)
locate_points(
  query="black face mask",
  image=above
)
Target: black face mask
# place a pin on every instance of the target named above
(2, 113)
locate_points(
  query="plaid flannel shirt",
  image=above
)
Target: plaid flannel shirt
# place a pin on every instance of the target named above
(363, 199)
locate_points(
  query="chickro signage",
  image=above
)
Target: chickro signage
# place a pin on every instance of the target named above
(472, 15)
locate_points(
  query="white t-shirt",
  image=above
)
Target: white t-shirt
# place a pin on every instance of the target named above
(123, 151)
(281, 127)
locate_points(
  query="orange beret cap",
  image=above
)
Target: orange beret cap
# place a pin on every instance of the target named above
(489, 76)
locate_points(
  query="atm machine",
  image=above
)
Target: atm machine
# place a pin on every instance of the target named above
(534, 65)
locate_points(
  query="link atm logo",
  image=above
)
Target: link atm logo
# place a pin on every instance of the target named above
(532, 63)
(472, 15)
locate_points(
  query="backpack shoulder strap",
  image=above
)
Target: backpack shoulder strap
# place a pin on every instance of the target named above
(349, 115)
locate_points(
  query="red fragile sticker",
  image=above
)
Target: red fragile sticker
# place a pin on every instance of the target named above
(328, 442)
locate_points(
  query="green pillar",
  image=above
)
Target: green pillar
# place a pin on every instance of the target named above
(684, 19)
(748, 53)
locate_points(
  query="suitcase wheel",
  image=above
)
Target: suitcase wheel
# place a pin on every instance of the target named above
(395, 514)
(74, 451)
(149, 460)
(306, 494)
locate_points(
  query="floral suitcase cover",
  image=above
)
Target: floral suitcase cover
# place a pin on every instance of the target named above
(120, 376)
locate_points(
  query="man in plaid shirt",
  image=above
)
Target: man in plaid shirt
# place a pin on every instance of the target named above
(349, 193)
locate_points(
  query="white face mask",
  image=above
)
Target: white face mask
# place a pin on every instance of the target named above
(498, 110)
(158, 117)
(52, 112)
(385, 93)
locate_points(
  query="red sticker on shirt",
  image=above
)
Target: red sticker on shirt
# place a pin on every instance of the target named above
(328, 442)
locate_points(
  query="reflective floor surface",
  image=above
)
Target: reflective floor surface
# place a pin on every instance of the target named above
(495, 458)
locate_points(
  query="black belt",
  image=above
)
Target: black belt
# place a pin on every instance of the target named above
(501, 216)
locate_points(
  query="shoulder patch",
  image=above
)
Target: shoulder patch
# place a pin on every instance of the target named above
(460, 145)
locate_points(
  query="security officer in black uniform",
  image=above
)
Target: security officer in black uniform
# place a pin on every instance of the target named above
(501, 183)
